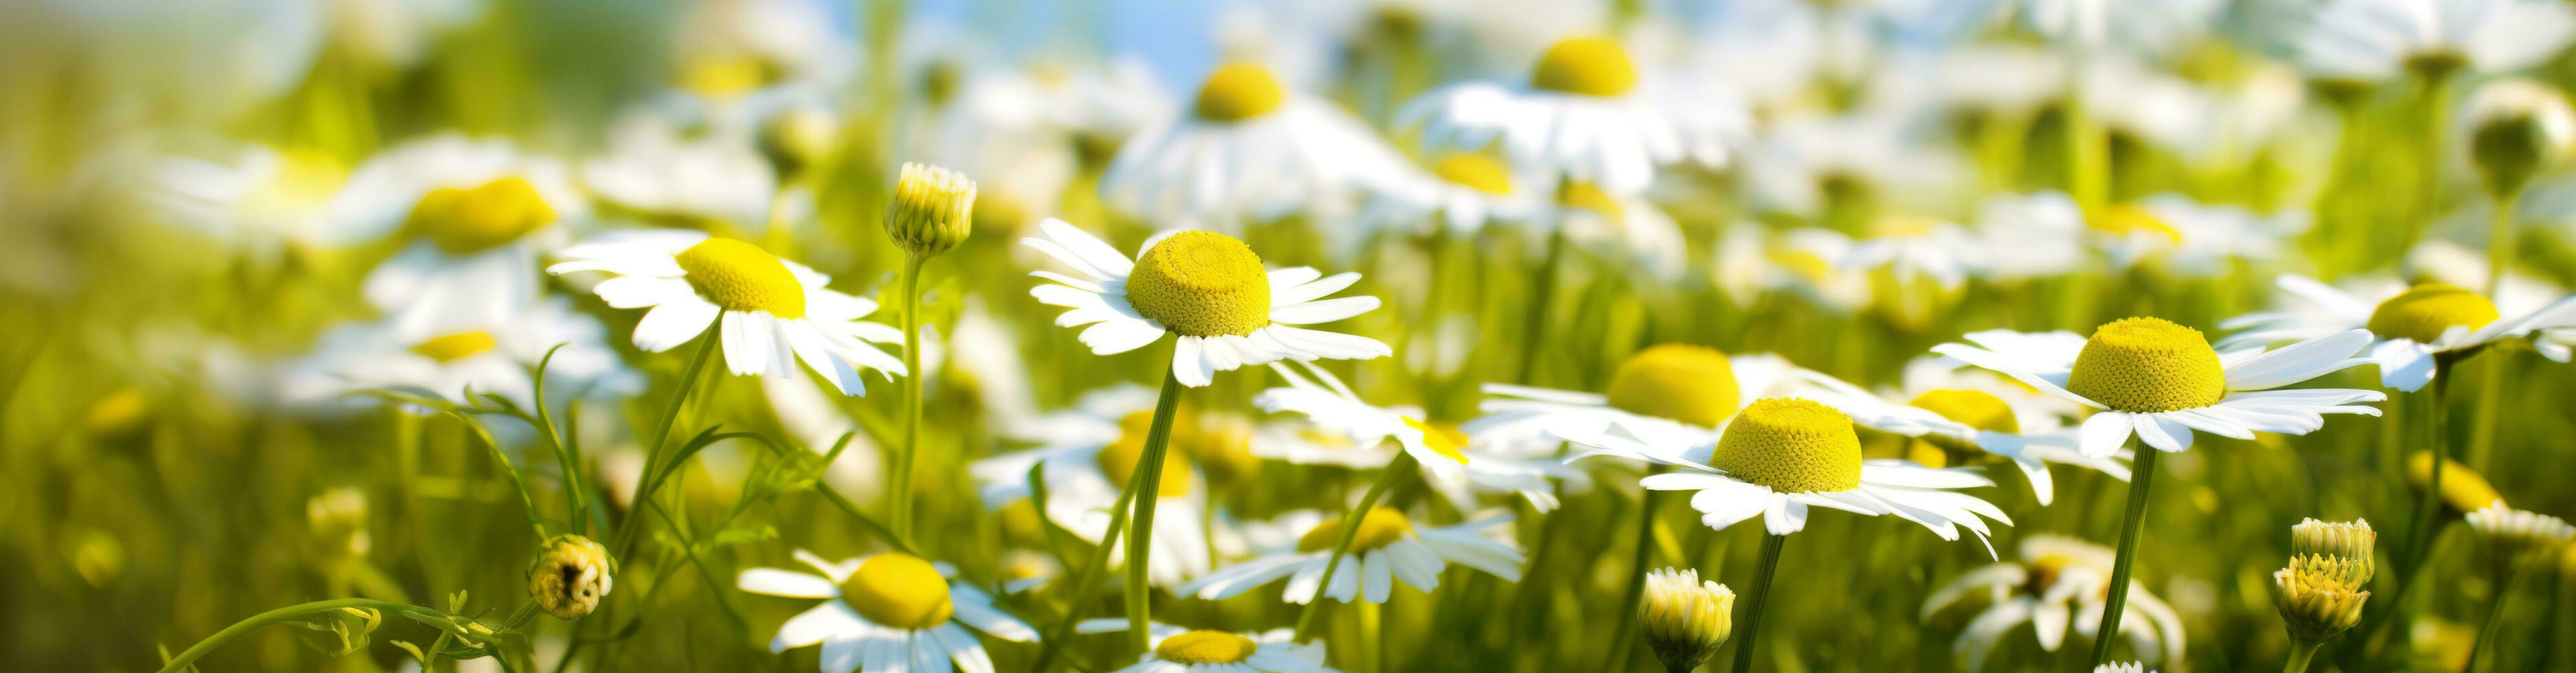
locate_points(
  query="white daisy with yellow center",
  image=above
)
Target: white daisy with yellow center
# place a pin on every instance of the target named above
(1088, 454)
(460, 364)
(1583, 115)
(2189, 238)
(260, 201)
(2382, 39)
(1182, 650)
(1388, 548)
(1447, 464)
(888, 612)
(768, 312)
(1618, 225)
(1953, 418)
(2058, 581)
(1913, 248)
(1781, 455)
(2412, 328)
(656, 163)
(1668, 396)
(1209, 291)
(2162, 381)
(1464, 193)
(479, 212)
(1249, 150)
(1751, 262)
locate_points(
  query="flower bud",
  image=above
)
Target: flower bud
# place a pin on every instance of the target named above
(2315, 600)
(2348, 541)
(799, 137)
(2518, 127)
(570, 576)
(2123, 667)
(1683, 619)
(932, 210)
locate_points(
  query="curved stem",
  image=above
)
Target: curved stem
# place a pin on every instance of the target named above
(1089, 578)
(899, 491)
(2300, 655)
(2495, 614)
(1403, 464)
(1146, 482)
(2143, 475)
(280, 615)
(1748, 634)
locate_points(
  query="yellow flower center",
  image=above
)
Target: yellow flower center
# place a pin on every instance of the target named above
(2462, 489)
(1590, 66)
(739, 276)
(2125, 219)
(2044, 572)
(1792, 446)
(1382, 526)
(2148, 364)
(1475, 171)
(1239, 91)
(1973, 408)
(1118, 460)
(1680, 382)
(456, 346)
(1588, 196)
(1805, 264)
(724, 77)
(1199, 283)
(465, 221)
(303, 180)
(898, 590)
(1220, 444)
(1904, 226)
(1206, 647)
(2422, 312)
(1443, 439)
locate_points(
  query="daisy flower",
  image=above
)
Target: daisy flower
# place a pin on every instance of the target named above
(1915, 247)
(1440, 450)
(2162, 381)
(2057, 582)
(1668, 396)
(767, 312)
(1208, 290)
(2413, 329)
(481, 212)
(1092, 449)
(1249, 149)
(1181, 650)
(2044, 230)
(2381, 39)
(1781, 455)
(456, 365)
(1467, 192)
(1806, 262)
(1617, 225)
(1583, 117)
(1956, 422)
(1385, 550)
(887, 612)
(656, 164)
(258, 202)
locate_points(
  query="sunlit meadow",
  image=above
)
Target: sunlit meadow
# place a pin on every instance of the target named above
(1253, 336)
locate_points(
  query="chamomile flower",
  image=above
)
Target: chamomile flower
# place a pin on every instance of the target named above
(2162, 381)
(258, 202)
(2382, 39)
(1441, 450)
(2187, 237)
(1915, 247)
(768, 312)
(655, 164)
(2058, 581)
(1249, 150)
(482, 211)
(1181, 650)
(1956, 422)
(1467, 192)
(1209, 291)
(2044, 231)
(491, 358)
(1584, 116)
(1781, 455)
(1667, 396)
(1092, 449)
(1805, 262)
(887, 612)
(1618, 225)
(2412, 327)
(1388, 548)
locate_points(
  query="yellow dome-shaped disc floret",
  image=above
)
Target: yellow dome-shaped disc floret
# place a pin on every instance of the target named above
(455, 346)
(1380, 527)
(1973, 408)
(1199, 283)
(1239, 91)
(898, 590)
(1118, 460)
(1680, 382)
(464, 221)
(1206, 647)
(1792, 446)
(2148, 365)
(2125, 219)
(739, 276)
(1443, 439)
(2422, 312)
(1590, 66)
(1475, 171)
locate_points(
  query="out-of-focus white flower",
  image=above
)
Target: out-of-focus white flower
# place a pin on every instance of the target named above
(1585, 115)
(2033, 235)
(1751, 261)
(481, 212)
(489, 358)
(1804, 165)
(259, 202)
(2112, 25)
(2057, 582)
(654, 164)
(2380, 39)
(1915, 247)
(1249, 150)
(1442, 451)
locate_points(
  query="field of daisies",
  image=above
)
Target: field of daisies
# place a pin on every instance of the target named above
(1278, 336)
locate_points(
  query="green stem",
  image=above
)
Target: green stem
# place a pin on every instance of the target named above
(1088, 579)
(1372, 642)
(277, 616)
(2495, 614)
(2088, 175)
(1748, 634)
(1534, 324)
(2430, 411)
(899, 491)
(1624, 634)
(2500, 239)
(662, 435)
(2437, 120)
(2300, 655)
(2143, 475)
(1147, 483)
(1396, 470)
